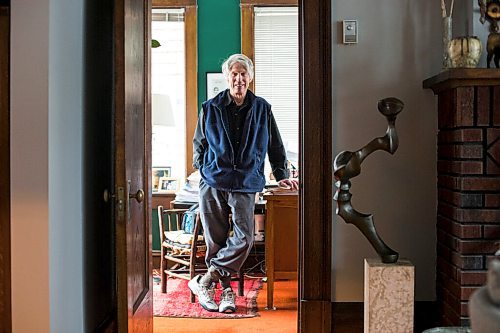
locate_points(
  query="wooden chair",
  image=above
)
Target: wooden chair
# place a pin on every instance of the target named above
(182, 254)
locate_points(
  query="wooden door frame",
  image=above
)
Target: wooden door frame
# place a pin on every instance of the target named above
(315, 126)
(316, 160)
(5, 261)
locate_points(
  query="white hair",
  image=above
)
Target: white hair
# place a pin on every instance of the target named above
(237, 58)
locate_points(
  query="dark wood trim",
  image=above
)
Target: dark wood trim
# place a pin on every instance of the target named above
(247, 35)
(347, 317)
(191, 47)
(316, 160)
(5, 262)
(461, 77)
(148, 131)
(173, 3)
(147, 303)
(270, 2)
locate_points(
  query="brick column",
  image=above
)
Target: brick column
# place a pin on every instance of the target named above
(468, 214)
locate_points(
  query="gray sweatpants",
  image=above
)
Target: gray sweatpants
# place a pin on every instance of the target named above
(226, 253)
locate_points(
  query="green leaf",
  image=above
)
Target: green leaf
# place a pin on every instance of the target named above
(155, 43)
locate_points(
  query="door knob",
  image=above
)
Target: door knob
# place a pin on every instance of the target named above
(139, 196)
(107, 195)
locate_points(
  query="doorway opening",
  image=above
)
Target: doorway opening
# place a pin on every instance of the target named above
(274, 50)
(315, 144)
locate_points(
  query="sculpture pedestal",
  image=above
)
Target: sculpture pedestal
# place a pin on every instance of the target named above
(389, 296)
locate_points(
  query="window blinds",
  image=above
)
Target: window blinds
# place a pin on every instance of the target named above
(277, 68)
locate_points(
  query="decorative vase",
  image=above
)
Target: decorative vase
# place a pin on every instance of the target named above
(447, 31)
(464, 51)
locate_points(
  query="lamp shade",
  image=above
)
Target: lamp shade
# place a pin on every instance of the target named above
(162, 111)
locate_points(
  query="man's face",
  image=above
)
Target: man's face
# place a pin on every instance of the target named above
(238, 80)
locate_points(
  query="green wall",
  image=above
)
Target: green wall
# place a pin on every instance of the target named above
(155, 230)
(218, 37)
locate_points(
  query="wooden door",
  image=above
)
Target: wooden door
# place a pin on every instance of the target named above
(5, 281)
(132, 206)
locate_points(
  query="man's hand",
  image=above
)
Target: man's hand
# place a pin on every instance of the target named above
(290, 184)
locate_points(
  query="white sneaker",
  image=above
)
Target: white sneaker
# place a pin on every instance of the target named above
(205, 294)
(227, 301)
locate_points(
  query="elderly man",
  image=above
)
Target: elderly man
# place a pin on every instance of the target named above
(235, 131)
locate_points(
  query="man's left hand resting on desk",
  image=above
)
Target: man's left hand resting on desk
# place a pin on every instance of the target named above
(291, 184)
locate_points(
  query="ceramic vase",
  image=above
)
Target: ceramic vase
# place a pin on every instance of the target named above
(447, 31)
(464, 52)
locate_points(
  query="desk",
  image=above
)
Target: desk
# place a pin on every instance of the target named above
(281, 239)
(162, 199)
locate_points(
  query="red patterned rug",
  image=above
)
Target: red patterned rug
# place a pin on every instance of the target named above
(176, 301)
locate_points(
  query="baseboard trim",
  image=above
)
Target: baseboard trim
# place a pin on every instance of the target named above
(347, 317)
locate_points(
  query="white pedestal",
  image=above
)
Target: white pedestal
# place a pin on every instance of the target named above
(389, 297)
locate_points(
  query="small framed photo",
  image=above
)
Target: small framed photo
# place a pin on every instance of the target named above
(216, 82)
(159, 173)
(168, 184)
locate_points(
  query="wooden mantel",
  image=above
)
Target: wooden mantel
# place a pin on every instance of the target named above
(461, 77)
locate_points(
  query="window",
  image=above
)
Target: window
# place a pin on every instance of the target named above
(168, 101)
(276, 62)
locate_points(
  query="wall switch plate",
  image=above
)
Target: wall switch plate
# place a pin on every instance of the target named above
(350, 31)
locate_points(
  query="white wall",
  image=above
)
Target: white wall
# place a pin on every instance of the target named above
(399, 46)
(46, 111)
(65, 165)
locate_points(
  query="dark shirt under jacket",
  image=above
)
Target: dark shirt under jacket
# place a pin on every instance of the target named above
(236, 116)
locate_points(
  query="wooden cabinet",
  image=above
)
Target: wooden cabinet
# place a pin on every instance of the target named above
(281, 239)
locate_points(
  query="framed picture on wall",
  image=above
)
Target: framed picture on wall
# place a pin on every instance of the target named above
(159, 173)
(216, 82)
(168, 184)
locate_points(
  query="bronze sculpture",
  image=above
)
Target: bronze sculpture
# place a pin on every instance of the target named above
(347, 165)
(490, 11)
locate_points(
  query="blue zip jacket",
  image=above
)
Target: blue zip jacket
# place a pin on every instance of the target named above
(238, 171)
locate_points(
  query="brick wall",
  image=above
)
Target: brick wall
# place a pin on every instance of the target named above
(468, 216)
